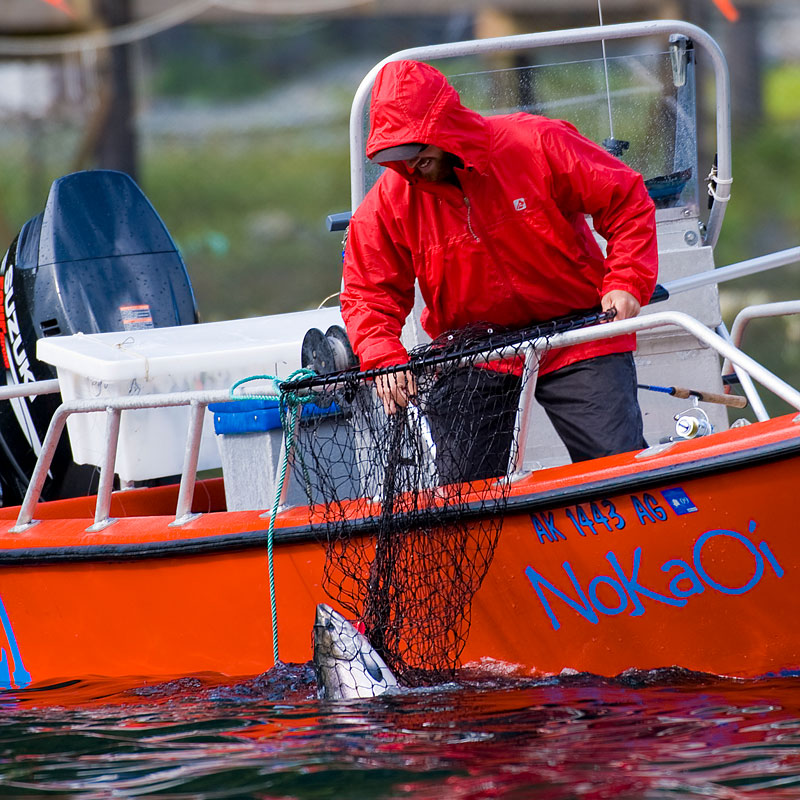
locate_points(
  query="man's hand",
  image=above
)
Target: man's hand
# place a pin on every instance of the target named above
(396, 390)
(624, 303)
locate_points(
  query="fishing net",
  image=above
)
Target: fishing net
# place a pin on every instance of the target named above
(411, 503)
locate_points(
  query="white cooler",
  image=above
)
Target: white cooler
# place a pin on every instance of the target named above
(212, 355)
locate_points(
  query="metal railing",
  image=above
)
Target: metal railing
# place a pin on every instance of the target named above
(198, 401)
(761, 311)
(29, 389)
(740, 324)
(113, 407)
(518, 466)
(750, 266)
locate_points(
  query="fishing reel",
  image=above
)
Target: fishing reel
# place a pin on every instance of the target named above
(325, 353)
(692, 423)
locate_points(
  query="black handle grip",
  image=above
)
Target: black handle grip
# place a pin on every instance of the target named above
(659, 293)
(338, 222)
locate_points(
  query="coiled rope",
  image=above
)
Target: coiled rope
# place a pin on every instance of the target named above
(290, 404)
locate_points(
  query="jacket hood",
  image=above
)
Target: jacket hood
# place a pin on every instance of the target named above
(413, 102)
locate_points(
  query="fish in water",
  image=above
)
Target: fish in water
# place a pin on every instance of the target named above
(346, 664)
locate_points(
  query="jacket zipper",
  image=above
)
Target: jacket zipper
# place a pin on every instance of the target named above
(469, 219)
(488, 246)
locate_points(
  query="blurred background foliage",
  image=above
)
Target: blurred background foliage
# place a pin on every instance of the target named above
(241, 135)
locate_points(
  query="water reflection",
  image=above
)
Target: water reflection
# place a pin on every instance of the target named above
(662, 734)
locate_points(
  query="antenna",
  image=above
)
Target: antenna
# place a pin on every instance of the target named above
(613, 145)
(605, 70)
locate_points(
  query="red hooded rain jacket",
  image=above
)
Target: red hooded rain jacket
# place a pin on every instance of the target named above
(511, 246)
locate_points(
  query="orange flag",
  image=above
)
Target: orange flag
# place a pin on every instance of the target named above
(61, 5)
(727, 8)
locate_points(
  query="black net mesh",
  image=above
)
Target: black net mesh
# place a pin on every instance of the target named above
(411, 503)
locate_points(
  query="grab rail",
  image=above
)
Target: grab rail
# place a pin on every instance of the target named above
(745, 381)
(13, 390)
(760, 311)
(518, 464)
(113, 407)
(740, 323)
(199, 400)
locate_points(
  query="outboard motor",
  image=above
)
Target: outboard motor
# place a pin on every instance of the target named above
(97, 259)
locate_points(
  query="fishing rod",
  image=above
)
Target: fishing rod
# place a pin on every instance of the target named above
(733, 400)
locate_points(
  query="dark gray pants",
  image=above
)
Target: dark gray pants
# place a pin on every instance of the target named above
(594, 407)
(592, 404)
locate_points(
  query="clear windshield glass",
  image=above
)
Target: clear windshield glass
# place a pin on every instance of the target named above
(629, 104)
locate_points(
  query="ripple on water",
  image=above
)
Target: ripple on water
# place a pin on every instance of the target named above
(644, 734)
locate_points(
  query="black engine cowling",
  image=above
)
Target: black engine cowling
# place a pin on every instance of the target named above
(97, 259)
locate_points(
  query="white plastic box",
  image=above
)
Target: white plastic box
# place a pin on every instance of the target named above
(212, 355)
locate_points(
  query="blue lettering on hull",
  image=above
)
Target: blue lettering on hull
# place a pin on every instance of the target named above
(12, 671)
(603, 517)
(686, 579)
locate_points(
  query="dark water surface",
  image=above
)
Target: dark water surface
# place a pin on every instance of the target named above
(663, 734)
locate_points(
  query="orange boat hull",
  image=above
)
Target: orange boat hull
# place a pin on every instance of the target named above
(686, 558)
(710, 589)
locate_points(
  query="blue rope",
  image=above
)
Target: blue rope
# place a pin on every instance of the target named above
(289, 405)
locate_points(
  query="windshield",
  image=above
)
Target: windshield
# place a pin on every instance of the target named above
(640, 107)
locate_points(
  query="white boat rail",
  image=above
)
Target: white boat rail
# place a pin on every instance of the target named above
(30, 389)
(740, 324)
(745, 381)
(517, 464)
(199, 400)
(760, 311)
(739, 269)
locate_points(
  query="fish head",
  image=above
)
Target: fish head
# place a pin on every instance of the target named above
(346, 664)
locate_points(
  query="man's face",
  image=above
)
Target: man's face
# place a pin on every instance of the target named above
(431, 164)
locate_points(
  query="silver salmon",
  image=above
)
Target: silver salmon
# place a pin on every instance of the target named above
(346, 664)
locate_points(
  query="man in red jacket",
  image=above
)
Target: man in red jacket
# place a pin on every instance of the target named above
(488, 215)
